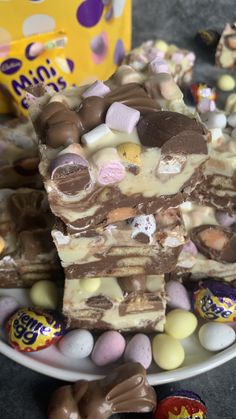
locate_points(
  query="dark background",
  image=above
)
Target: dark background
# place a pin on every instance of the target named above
(24, 394)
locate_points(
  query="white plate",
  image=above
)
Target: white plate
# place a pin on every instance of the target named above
(51, 362)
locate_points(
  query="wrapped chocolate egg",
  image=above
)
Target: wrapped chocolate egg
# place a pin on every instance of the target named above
(182, 404)
(31, 329)
(203, 91)
(215, 301)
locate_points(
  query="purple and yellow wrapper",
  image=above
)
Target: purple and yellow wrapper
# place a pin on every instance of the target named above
(31, 330)
(215, 301)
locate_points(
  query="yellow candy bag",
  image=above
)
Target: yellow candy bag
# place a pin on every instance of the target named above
(31, 61)
(98, 31)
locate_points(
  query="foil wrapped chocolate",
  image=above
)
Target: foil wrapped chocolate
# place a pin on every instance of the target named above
(31, 329)
(215, 301)
(126, 389)
(181, 404)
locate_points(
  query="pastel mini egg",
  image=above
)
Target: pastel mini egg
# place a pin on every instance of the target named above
(76, 344)
(232, 119)
(177, 295)
(130, 153)
(180, 323)
(214, 119)
(168, 353)
(44, 294)
(226, 83)
(8, 305)
(30, 329)
(139, 350)
(90, 284)
(216, 336)
(109, 348)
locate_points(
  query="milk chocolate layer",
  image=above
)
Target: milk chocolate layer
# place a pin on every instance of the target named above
(28, 253)
(126, 389)
(118, 249)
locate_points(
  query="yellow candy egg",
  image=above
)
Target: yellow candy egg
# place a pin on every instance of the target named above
(90, 285)
(162, 45)
(226, 83)
(44, 294)
(168, 353)
(130, 152)
(180, 323)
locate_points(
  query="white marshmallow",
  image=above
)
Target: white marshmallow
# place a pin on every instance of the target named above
(91, 138)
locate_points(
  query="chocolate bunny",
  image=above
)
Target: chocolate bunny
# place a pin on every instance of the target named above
(126, 389)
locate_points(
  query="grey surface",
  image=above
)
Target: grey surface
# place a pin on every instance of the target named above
(24, 394)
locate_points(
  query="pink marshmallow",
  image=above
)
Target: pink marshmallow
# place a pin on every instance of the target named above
(121, 117)
(191, 57)
(178, 295)
(98, 88)
(158, 66)
(109, 167)
(190, 247)
(177, 57)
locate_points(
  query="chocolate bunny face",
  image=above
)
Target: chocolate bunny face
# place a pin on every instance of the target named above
(126, 389)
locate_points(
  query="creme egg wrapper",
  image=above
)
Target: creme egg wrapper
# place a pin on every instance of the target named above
(31, 329)
(215, 301)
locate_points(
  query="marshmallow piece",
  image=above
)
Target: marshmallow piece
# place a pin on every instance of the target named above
(98, 88)
(191, 57)
(121, 117)
(177, 57)
(126, 74)
(158, 66)
(91, 138)
(109, 167)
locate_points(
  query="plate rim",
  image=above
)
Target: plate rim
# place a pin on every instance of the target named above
(158, 378)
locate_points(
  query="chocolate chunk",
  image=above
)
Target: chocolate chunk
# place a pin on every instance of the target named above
(131, 304)
(35, 243)
(26, 210)
(133, 283)
(92, 112)
(99, 302)
(27, 166)
(125, 389)
(215, 242)
(142, 238)
(186, 142)
(156, 128)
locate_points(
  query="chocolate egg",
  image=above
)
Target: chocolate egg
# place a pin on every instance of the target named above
(31, 329)
(70, 172)
(179, 405)
(215, 301)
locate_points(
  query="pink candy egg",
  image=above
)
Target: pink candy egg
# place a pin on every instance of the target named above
(139, 350)
(178, 295)
(108, 348)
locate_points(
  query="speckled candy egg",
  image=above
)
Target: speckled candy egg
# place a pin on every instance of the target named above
(216, 336)
(76, 344)
(177, 295)
(139, 350)
(180, 323)
(168, 353)
(109, 348)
